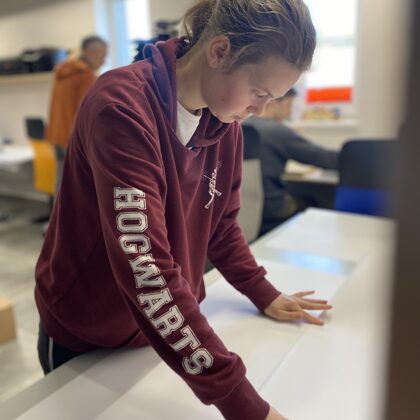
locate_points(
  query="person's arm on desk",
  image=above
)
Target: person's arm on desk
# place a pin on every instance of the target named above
(298, 148)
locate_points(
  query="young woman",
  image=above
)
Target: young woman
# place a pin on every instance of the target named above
(151, 187)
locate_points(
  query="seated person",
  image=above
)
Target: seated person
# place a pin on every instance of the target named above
(280, 143)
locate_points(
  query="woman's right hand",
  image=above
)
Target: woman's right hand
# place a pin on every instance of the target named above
(273, 414)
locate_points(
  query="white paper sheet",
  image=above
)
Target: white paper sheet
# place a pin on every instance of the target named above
(346, 224)
(298, 238)
(326, 360)
(291, 279)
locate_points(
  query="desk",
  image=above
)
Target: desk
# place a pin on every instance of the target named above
(11, 156)
(311, 182)
(306, 372)
(313, 175)
(299, 172)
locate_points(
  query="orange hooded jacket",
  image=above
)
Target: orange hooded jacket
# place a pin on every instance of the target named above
(72, 80)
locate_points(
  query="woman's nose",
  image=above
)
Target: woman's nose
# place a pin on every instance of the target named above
(256, 109)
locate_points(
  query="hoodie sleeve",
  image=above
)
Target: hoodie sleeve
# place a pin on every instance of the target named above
(130, 186)
(288, 144)
(229, 251)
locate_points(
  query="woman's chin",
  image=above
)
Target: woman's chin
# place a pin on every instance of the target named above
(225, 119)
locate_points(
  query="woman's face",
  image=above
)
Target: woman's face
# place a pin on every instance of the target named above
(247, 90)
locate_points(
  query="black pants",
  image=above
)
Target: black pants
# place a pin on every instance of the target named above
(51, 354)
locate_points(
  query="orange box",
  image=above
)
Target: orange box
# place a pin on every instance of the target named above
(7, 321)
(337, 94)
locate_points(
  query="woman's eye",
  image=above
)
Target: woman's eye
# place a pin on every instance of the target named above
(260, 95)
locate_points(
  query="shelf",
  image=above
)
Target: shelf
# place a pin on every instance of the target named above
(322, 124)
(17, 79)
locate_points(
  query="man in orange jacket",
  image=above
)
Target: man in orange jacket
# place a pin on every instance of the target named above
(72, 80)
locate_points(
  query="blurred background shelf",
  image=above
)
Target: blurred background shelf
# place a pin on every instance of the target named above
(315, 124)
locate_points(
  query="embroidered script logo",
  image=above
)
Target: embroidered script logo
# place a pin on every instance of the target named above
(212, 185)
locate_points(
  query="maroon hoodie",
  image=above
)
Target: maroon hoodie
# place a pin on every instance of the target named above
(137, 213)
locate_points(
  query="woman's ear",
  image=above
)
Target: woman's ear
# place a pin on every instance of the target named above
(218, 50)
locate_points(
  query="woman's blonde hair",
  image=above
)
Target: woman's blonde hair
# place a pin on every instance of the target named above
(256, 29)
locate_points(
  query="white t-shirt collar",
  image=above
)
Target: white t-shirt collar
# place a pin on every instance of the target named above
(187, 123)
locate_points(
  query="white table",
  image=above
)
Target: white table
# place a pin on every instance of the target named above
(310, 182)
(306, 372)
(11, 156)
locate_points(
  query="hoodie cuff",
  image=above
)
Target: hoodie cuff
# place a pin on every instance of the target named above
(243, 403)
(262, 294)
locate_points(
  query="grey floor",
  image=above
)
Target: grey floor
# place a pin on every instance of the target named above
(20, 244)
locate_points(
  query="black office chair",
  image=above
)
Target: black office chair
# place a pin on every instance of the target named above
(35, 128)
(365, 170)
(252, 194)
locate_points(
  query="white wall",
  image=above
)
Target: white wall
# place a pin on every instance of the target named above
(382, 31)
(61, 24)
(20, 100)
(330, 134)
(381, 70)
(169, 9)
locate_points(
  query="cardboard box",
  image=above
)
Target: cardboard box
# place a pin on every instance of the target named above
(7, 321)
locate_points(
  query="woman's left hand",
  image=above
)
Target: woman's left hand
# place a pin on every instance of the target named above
(292, 308)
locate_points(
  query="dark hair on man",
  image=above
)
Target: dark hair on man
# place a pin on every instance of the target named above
(92, 39)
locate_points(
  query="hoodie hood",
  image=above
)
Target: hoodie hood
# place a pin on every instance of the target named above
(163, 56)
(70, 68)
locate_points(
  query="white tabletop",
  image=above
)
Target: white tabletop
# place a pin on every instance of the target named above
(306, 372)
(313, 175)
(300, 172)
(13, 155)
